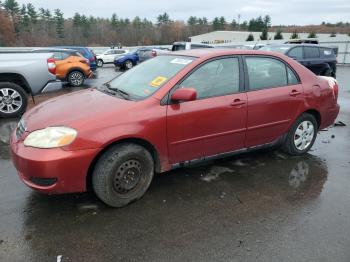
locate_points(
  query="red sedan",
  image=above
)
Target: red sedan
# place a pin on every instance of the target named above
(174, 110)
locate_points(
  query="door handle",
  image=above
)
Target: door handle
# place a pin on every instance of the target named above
(294, 93)
(238, 102)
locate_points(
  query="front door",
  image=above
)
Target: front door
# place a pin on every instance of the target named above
(214, 123)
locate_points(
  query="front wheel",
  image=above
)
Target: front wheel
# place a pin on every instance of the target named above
(123, 174)
(76, 78)
(13, 100)
(128, 64)
(301, 136)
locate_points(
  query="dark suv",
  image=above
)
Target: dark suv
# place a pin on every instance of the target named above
(319, 59)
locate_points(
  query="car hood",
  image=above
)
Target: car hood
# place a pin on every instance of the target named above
(77, 110)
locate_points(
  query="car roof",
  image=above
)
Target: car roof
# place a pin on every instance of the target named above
(292, 45)
(207, 53)
(55, 50)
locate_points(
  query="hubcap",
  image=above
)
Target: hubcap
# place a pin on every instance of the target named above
(303, 135)
(10, 100)
(128, 64)
(127, 177)
(76, 79)
(99, 63)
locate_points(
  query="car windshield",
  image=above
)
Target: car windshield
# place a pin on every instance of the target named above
(146, 78)
(279, 49)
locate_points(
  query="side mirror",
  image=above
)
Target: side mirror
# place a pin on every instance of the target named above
(184, 94)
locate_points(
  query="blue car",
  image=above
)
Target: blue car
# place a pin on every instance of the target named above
(127, 61)
(86, 52)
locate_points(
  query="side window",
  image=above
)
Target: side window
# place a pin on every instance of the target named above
(57, 55)
(216, 78)
(311, 52)
(65, 55)
(296, 52)
(119, 52)
(292, 79)
(264, 72)
(110, 52)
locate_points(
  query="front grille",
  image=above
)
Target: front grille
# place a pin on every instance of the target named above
(43, 181)
(20, 129)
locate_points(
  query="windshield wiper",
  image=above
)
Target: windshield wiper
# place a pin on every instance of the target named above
(120, 92)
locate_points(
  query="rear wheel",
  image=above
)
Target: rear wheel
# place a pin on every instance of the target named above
(76, 78)
(301, 136)
(123, 174)
(13, 100)
(100, 63)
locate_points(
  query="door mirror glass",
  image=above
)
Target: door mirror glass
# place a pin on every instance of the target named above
(184, 94)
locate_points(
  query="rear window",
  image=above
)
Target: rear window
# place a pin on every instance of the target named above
(146, 78)
(311, 52)
(326, 52)
(178, 47)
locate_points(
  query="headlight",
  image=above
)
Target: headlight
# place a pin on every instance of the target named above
(51, 137)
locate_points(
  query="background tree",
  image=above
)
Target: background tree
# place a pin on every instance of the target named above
(294, 35)
(312, 35)
(278, 35)
(250, 37)
(264, 34)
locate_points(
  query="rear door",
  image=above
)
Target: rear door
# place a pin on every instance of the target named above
(312, 59)
(274, 96)
(214, 123)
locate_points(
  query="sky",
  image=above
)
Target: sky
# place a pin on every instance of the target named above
(292, 12)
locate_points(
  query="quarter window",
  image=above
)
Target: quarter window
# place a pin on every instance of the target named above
(292, 79)
(215, 78)
(264, 72)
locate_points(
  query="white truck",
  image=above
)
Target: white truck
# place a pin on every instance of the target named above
(24, 74)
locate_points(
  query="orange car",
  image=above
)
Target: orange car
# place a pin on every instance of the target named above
(71, 66)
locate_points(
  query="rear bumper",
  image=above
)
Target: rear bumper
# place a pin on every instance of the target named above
(52, 171)
(52, 86)
(329, 117)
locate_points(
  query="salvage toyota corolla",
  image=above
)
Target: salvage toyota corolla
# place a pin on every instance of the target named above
(171, 111)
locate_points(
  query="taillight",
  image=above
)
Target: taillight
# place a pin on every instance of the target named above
(85, 61)
(51, 65)
(154, 53)
(335, 91)
(92, 59)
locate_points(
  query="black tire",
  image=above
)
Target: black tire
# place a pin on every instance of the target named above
(76, 78)
(100, 63)
(12, 95)
(328, 72)
(289, 145)
(128, 64)
(123, 174)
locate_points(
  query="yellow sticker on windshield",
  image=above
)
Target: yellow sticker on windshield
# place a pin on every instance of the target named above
(158, 81)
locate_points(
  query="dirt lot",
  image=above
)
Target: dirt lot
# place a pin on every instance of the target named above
(263, 206)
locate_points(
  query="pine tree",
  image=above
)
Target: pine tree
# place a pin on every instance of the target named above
(312, 35)
(250, 37)
(294, 35)
(59, 21)
(264, 34)
(278, 35)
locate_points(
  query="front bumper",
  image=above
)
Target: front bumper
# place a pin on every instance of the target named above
(52, 171)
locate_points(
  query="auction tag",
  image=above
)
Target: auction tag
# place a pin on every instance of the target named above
(158, 81)
(180, 61)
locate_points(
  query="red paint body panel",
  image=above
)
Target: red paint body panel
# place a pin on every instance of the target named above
(177, 132)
